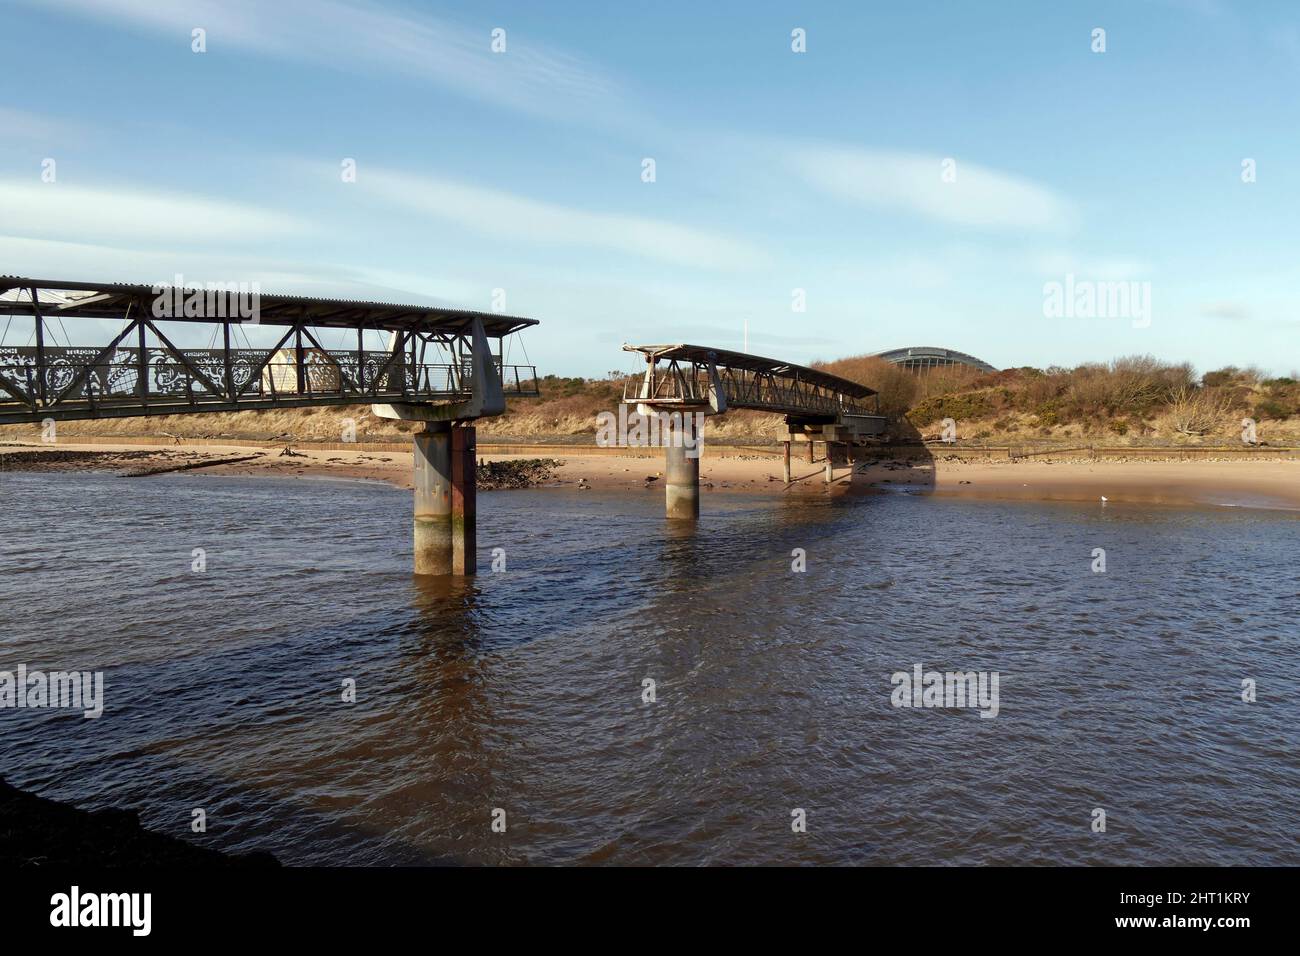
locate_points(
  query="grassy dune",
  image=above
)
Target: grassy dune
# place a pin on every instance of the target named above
(1131, 401)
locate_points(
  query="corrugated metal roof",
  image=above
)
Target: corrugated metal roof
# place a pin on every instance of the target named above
(109, 299)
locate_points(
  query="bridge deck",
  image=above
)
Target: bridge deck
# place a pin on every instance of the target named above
(803, 395)
(124, 362)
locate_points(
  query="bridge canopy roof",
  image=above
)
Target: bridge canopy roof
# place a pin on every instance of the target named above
(752, 363)
(100, 300)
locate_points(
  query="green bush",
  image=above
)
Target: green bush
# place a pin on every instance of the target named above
(1271, 408)
(962, 407)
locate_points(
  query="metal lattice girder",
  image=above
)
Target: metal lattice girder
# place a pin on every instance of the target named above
(748, 381)
(126, 374)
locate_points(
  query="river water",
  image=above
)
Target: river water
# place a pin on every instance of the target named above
(523, 691)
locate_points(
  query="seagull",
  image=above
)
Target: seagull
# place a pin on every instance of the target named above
(1104, 499)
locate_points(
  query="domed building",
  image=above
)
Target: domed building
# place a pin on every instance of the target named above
(922, 358)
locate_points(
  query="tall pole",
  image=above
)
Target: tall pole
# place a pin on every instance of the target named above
(40, 346)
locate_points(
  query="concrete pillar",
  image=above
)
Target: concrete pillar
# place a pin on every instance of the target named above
(433, 499)
(787, 461)
(464, 504)
(682, 474)
(837, 453)
(810, 449)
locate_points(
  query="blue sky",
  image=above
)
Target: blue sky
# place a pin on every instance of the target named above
(774, 170)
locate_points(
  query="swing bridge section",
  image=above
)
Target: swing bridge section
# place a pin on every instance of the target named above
(94, 350)
(684, 378)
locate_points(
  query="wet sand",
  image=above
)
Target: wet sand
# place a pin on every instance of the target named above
(1246, 483)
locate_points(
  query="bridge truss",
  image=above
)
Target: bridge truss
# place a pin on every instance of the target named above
(95, 350)
(696, 375)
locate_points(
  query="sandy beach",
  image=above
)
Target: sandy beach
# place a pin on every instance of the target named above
(1242, 483)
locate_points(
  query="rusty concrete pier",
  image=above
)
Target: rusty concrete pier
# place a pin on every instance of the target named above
(445, 466)
(682, 467)
(433, 479)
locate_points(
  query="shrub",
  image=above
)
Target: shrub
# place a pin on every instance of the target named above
(896, 386)
(1195, 411)
(968, 407)
(1271, 408)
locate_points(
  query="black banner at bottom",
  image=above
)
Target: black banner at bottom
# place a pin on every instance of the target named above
(332, 905)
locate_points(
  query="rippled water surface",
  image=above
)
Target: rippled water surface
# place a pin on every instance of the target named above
(523, 690)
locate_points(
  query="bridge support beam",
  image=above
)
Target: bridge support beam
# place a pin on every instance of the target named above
(786, 461)
(682, 471)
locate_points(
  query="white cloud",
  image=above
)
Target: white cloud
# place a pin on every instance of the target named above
(358, 35)
(978, 196)
(503, 215)
(60, 210)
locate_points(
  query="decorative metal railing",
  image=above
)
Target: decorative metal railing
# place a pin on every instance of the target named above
(63, 382)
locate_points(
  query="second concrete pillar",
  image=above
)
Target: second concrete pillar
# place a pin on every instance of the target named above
(682, 474)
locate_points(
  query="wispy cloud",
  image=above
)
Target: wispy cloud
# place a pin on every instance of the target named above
(508, 216)
(365, 36)
(63, 211)
(59, 259)
(1232, 311)
(22, 126)
(976, 195)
